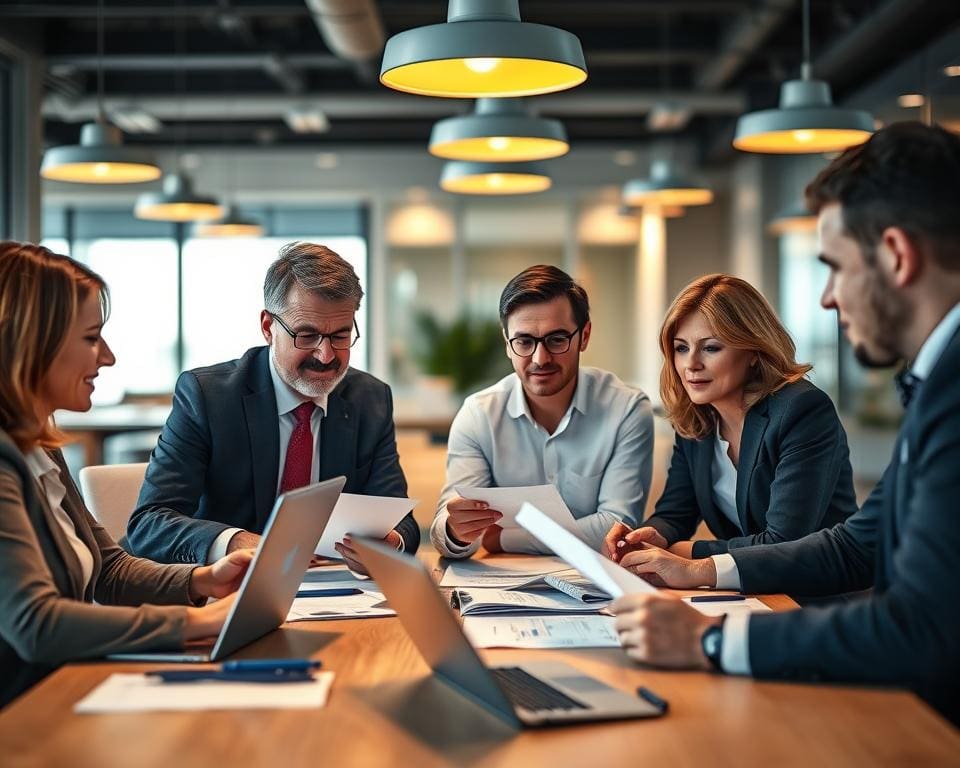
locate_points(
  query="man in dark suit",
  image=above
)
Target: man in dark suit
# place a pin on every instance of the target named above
(890, 234)
(280, 417)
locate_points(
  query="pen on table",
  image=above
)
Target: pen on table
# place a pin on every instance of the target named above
(651, 698)
(339, 592)
(716, 598)
(266, 676)
(270, 665)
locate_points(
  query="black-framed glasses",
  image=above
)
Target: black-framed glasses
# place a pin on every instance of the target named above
(313, 340)
(555, 343)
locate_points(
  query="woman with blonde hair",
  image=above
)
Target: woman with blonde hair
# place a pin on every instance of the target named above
(760, 455)
(67, 591)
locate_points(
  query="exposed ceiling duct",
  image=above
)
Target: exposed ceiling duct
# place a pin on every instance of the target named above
(352, 29)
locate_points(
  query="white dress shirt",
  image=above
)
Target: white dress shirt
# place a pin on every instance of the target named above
(288, 399)
(47, 473)
(599, 457)
(725, 481)
(736, 652)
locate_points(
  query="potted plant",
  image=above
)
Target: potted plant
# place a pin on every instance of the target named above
(468, 351)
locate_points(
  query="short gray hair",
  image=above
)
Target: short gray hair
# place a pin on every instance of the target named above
(313, 267)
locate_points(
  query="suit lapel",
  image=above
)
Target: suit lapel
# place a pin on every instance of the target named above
(338, 440)
(754, 427)
(263, 429)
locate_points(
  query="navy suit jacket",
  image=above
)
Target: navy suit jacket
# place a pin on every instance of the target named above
(218, 458)
(793, 477)
(904, 543)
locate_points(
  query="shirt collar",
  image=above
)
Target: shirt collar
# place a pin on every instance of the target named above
(39, 463)
(287, 397)
(936, 342)
(517, 405)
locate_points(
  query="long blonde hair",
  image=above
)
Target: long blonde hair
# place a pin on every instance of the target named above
(40, 295)
(741, 317)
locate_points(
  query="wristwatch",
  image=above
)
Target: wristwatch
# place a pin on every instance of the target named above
(711, 641)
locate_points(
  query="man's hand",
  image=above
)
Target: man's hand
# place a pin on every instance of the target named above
(468, 519)
(620, 540)
(661, 631)
(352, 559)
(682, 549)
(491, 539)
(663, 569)
(243, 540)
(222, 578)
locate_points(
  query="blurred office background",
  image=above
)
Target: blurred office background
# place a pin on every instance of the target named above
(275, 109)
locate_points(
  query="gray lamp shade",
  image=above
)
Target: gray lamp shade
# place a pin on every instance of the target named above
(483, 50)
(499, 130)
(806, 122)
(99, 158)
(468, 178)
(666, 186)
(177, 202)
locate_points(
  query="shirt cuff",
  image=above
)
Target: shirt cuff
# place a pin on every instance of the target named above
(219, 547)
(735, 656)
(402, 546)
(728, 575)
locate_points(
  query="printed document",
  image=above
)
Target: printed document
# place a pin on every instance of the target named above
(370, 516)
(547, 632)
(546, 498)
(500, 572)
(492, 602)
(750, 605)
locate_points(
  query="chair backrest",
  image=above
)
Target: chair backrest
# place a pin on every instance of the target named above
(110, 492)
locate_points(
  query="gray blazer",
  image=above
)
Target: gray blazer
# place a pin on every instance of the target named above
(216, 464)
(904, 543)
(794, 476)
(46, 617)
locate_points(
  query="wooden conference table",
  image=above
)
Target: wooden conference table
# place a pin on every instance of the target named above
(385, 710)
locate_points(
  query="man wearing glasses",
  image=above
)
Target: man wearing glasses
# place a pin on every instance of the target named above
(282, 416)
(551, 421)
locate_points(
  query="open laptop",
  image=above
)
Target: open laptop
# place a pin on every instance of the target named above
(527, 693)
(270, 584)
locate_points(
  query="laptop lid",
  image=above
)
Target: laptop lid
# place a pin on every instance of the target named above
(432, 626)
(270, 584)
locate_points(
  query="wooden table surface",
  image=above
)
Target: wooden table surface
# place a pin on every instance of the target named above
(385, 709)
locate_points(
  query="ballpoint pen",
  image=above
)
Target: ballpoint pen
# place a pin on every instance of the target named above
(716, 598)
(266, 676)
(336, 592)
(271, 665)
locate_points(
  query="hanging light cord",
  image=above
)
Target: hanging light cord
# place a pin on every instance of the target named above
(101, 117)
(805, 68)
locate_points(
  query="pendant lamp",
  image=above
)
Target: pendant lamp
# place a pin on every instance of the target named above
(806, 120)
(231, 225)
(499, 130)
(484, 49)
(468, 178)
(100, 157)
(666, 186)
(177, 202)
(791, 220)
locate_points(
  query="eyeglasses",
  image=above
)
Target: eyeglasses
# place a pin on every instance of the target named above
(555, 343)
(312, 340)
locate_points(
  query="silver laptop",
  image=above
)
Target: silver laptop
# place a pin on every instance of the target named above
(270, 584)
(527, 693)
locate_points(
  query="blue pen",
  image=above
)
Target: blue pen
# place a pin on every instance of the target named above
(271, 665)
(339, 592)
(716, 598)
(651, 698)
(265, 676)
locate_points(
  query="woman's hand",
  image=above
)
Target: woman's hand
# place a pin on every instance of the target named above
(207, 621)
(222, 578)
(664, 569)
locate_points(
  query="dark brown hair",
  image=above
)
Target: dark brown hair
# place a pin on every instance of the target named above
(541, 283)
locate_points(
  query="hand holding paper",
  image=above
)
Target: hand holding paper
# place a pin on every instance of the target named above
(370, 516)
(508, 501)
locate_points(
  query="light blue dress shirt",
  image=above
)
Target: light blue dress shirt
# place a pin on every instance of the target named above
(600, 457)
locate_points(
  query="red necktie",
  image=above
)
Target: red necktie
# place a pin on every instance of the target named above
(296, 468)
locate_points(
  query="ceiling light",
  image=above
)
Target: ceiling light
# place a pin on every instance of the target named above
(494, 178)
(498, 130)
(910, 100)
(666, 187)
(791, 220)
(306, 120)
(806, 120)
(952, 71)
(231, 225)
(484, 49)
(99, 158)
(668, 116)
(177, 202)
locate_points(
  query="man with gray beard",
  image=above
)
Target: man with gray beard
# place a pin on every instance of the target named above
(280, 417)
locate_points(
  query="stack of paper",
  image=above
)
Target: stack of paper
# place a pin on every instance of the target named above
(495, 602)
(366, 602)
(142, 693)
(748, 605)
(503, 573)
(549, 632)
(569, 583)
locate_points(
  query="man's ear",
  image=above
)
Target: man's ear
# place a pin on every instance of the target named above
(585, 336)
(266, 326)
(899, 256)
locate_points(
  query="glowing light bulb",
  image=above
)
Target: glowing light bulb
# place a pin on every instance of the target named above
(101, 169)
(498, 143)
(481, 66)
(803, 136)
(495, 180)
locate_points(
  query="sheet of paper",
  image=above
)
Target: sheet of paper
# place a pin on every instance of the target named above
(481, 602)
(140, 693)
(499, 573)
(750, 605)
(607, 575)
(547, 632)
(546, 498)
(372, 516)
(367, 605)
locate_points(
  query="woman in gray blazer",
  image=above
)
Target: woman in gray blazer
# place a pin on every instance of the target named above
(55, 560)
(760, 454)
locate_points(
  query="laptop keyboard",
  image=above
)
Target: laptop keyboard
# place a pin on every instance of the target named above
(531, 693)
